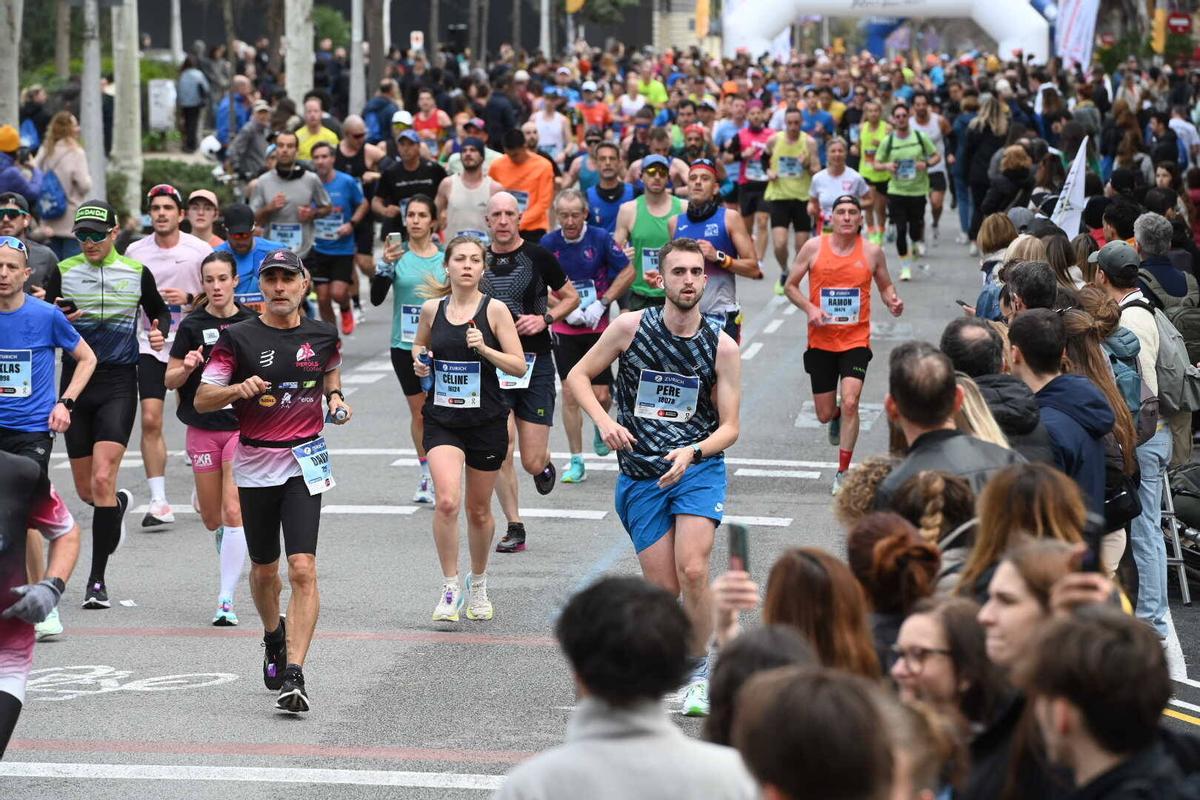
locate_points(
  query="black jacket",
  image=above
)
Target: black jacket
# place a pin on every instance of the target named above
(947, 451)
(982, 144)
(1149, 774)
(992, 751)
(1012, 188)
(1016, 412)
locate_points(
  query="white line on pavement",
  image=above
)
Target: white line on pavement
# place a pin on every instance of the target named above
(867, 414)
(773, 326)
(562, 513)
(791, 309)
(369, 377)
(745, 472)
(388, 510)
(183, 772)
(752, 351)
(765, 522)
(375, 366)
(1188, 706)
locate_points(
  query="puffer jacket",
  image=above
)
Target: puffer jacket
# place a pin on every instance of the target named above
(1016, 412)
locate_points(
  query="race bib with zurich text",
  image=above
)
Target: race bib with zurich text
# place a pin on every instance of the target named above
(16, 373)
(666, 396)
(456, 384)
(842, 305)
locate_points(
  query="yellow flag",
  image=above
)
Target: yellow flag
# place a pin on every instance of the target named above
(701, 18)
(573, 6)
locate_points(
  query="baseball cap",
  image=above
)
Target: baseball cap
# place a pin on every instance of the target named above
(165, 190)
(730, 87)
(709, 104)
(474, 141)
(16, 199)
(593, 134)
(563, 71)
(204, 194)
(474, 122)
(260, 105)
(402, 117)
(702, 163)
(10, 140)
(409, 135)
(521, 76)
(1117, 259)
(655, 159)
(239, 218)
(281, 259)
(95, 215)
(589, 86)
(847, 198)
(1020, 217)
(695, 128)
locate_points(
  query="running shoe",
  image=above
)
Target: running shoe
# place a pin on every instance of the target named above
(575, 471)
(158, 514)
(218, 537)
(424, 493)
(960, 239)
(124, 501)
(973, 250)
(544, 480)
(837, 482)
(275, 657)
(359, 314)
(514, 539)
(347, 322)
(292, 696)
(918, 249)
(695, 699)
(225, 618)
(936, 235)
(835, 431)
(96, 596)
(906, 273)
(479, 606)
(450, 602)
(598, 445)
(49, 627)
(779, 291)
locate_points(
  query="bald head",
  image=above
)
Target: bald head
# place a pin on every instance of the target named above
(354, 124)
(973, 347)
(502, 201)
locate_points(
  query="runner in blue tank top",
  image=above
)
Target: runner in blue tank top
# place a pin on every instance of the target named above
(607, 195)
(727, 247)
(678, 392)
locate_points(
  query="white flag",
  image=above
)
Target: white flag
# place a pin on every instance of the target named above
(1075, 30)
(1069, 209)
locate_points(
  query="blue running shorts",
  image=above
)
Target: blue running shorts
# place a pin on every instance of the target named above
(648, 512)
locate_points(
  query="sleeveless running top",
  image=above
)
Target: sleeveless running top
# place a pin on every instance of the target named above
(550, 133)
(354, 165)
(720, 295)
(466, 209)
(841, 286)
(868, 142)
(788, 161)
(428, 128)
(933, 131)
(647, 237)
(588, 177)
(603, 210)
(664, 393)
(454, 361)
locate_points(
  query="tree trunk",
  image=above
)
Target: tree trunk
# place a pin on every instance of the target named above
(91, 119)
(275, 34)
(433, 40)
(127, 106)
(516, 26)
(11, 12)
(176, 32)
(298, 61)
(377, 56)
(484, 7)
(473, 29)
(231, 54)
(544, 29)
(357, 77)
(62, 39)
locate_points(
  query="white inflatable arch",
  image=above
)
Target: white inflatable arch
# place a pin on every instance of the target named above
(752, 24)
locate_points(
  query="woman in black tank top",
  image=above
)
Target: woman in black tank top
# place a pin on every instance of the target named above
(468, 338)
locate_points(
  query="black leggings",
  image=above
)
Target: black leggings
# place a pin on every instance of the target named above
(10, 710)
(266, 508)
(978, 192)
(908, 214)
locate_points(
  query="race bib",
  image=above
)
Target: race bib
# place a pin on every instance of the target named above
(666, 396)
(252, 300)
(587, 293)
(326, 228)
(410, 318)
(854, 134)
(649, 261)
(480, 235)
(509, 382)
(842, 305)
(210, 336)
(313, 458)
(755, 171)
(16, 373)
(290, 235)
(522, 199)
(456, 384)
(790, 167)
(906, 169)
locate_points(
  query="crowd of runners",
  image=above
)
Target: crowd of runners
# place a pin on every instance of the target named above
(585, 222)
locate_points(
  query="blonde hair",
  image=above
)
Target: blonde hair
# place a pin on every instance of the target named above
(1025, 248)
(975, 418)
(435, 290)
(1015, 157)
(993, 113)
(61, 128)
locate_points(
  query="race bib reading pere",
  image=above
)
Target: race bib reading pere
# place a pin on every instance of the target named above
(410, 318)
(649, 261)
(842, 306)
(790, 167)
(290, 235)
(456, 384)
(587, 293)
(252, 300)
(313, 458)
(16, 373)
(666, 396)
(326, 228)
(509, 382)
(522, 199)
(906, 169)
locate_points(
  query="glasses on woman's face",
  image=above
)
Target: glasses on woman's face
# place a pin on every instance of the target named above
(95, 237)
(914, 657)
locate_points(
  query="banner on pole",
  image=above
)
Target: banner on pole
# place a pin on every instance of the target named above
(1075, 31)
(1069, 209)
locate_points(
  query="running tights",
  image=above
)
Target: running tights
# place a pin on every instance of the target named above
(908, 213)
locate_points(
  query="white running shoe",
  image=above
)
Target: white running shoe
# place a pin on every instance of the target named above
(359, 314)
(973, 250)
(50, 626)
(424, 493)
(960, 239)
(837, 483)
(450, 602)
(479, 606)
(905, 274)
(159, 513)
(695, 699)
(918, 249)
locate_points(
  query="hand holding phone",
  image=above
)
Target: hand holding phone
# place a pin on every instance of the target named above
(67, 306)
(739, 548)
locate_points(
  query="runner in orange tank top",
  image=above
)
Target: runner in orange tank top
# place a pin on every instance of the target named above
(840, 266)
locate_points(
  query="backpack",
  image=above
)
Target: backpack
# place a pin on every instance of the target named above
(29, 135)
(1182, 312)
(1184, 481)
(922, 139)
(52, 203)
(1178, 380)
(374, 134)
(1142, 404)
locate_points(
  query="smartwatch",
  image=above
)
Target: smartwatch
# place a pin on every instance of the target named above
(329, 395)
(697, 454)
(549, 319)
(68, 403)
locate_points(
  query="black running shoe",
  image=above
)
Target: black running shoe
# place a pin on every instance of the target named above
(514, 540)
(544, 481)
(96, 596)
(275, 658)
(292, 697)
(124, 501)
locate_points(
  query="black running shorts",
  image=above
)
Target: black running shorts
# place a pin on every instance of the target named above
(485, 446)
(826, 368)
(570, 348)
(105, 411)
(266, 509)
(151, 378)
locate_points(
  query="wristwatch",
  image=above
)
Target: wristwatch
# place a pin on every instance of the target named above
(697, 454)
(68, 403)
(329, 395)
(549, 318)
(58, 584)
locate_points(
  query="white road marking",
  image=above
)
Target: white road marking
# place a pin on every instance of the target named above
(183, 508)
(185, 772)
(562, 513)
(375, 366)
(747, 472)
(1188, 706)
(765, 522)
(349, 390)
(791, 309)
(752, 351)
(895, 331)
(779, 462)
(369, 377)
(388, 510)
(867, 414)
(773, 325)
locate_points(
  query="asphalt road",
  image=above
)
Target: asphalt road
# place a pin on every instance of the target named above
(148, 700)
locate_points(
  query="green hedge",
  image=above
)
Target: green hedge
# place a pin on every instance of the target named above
(45, 75)
(185, 176)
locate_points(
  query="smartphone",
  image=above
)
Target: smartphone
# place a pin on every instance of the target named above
(963, 303)
(739, 548)
(68, 306)
(394, 239)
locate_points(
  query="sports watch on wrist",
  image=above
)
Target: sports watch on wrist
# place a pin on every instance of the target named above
(697, 454)
(68, 403)
(548, 318)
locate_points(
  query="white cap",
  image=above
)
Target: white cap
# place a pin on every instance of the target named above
(589, 86)
(521, 76)
(402, 117)
(563, 70)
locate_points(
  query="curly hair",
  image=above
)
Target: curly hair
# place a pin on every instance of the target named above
(856, 497)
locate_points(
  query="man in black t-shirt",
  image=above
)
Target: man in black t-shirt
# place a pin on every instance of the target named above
(411, 175)
(520, 275)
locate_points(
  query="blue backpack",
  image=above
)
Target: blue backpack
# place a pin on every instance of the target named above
(29, 135)
(53, 201)
(1141, 402)
(374, 134)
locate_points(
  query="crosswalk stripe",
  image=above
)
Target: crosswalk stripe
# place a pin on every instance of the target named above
(375, 366)
(764, 522)
(773, 326)
(867, 414)
(749, 472)
(752, 351)
(368, 377)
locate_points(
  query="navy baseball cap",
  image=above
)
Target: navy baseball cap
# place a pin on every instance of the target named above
(281, 259)
(410, 135)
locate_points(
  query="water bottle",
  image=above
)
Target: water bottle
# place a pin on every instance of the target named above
(340, 414)
(427, 381)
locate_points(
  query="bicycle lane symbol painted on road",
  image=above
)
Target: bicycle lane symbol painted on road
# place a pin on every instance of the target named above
(69, 683)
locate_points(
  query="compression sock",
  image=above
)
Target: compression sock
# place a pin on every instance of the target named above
(233, 558)
(106, 531)
(844, 457)
(158, 489)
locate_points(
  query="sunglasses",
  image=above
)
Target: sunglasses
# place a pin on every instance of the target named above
(358, 135)
(660, 171)
(14, 243)
(165, 190)
(95, 237)
(12, 213)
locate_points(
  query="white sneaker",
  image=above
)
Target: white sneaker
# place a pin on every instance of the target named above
(837, 483)
(424, 493)
(449, 604)
(50, 626)
(918, 249)
(359, 314)
(905, 274)
(479, 607)
(960, 239)
(695, 699)
(159, 513)
(973, 250)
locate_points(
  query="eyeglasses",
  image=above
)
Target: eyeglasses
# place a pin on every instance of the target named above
(95, 237)
(14, 243)
(12, 213)
(914, 657)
